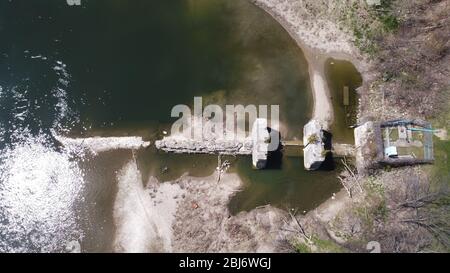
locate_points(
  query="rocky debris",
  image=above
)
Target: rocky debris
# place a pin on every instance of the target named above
(368, 150)
(181, 145)
(203, 222)
(257, 144)
(314, 151)
(261, 142)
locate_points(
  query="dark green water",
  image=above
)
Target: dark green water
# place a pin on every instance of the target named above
(290, 187)
(127, 63)
(131, 61)
(285, 184)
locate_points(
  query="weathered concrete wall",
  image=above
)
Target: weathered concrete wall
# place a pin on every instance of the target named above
(368, 145)
(257, 145)
(182, 145)
(261, 141)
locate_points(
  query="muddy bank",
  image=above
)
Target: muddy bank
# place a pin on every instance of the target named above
(203, 222)
(190, 215)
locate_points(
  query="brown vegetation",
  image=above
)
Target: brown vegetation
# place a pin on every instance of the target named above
(414, 59)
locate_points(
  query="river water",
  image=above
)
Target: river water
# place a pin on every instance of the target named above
(116, 68)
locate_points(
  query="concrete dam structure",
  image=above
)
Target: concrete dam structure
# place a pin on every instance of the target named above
(257, 145)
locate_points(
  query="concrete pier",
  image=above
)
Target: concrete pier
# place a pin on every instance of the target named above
(261, 141)
(314, 150)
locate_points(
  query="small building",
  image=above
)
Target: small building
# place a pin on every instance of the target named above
(411, 139)
(394, 143)
(390, 152)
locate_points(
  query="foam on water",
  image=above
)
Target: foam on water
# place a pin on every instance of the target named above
(39, 190)
(24, 106)
(102, 144)
(41, 184)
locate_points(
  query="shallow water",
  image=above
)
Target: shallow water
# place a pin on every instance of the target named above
(342, 74)
(288, 187)
(115, 67)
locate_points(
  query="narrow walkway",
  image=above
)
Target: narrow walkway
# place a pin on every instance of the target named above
(338, 149)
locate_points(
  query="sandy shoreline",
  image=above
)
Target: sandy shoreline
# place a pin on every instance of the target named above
(144, 215)
(318, 44)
